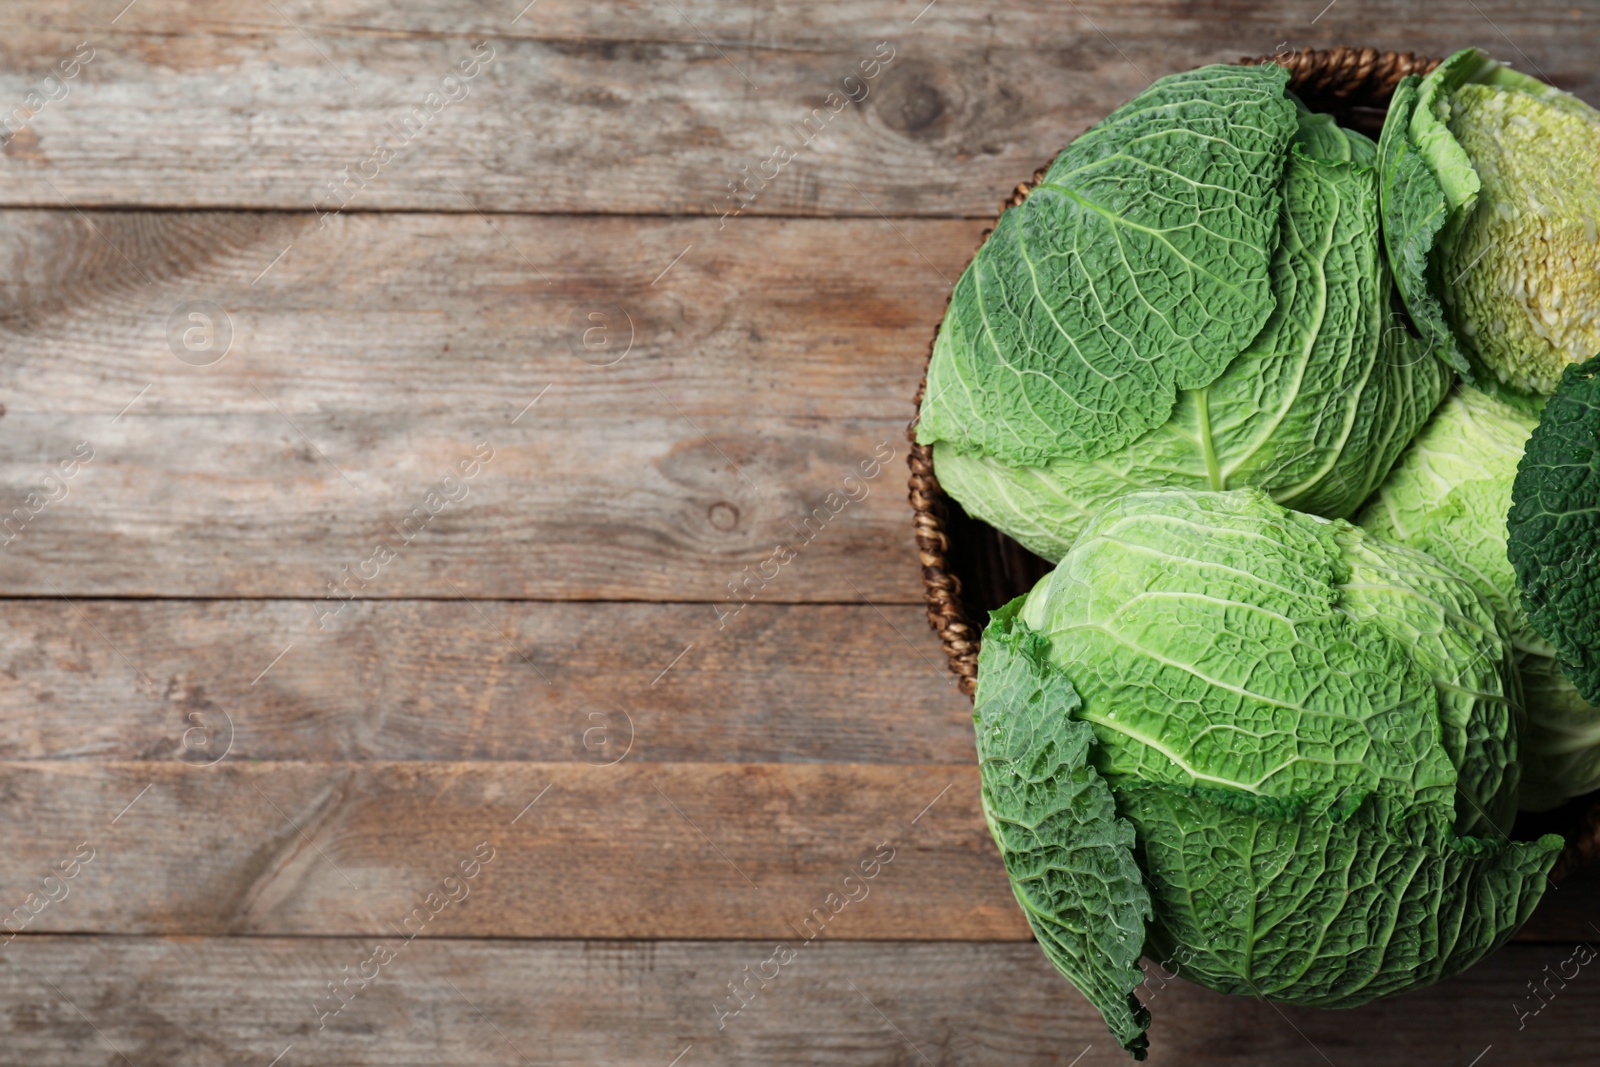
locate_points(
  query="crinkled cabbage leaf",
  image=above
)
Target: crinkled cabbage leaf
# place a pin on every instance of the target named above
(1315, 410)
(1414, 211)
(1069, 857)
(1554, 526)
(1137, 268)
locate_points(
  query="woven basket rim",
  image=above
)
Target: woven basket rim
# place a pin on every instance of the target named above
(1356, 77)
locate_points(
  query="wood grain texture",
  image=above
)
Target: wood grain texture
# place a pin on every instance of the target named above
(428, 315)
(436, 680)
(631, 850)
(763, 371)
(239, 1002)
(268, 506)
(628, 106)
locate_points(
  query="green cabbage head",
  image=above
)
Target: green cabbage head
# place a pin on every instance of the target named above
(1034, 404)
(1492, 196)
(1449, 497)
(1272, 751)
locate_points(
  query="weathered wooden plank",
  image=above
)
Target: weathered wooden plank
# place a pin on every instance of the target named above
(630, 850)
(424, 315)
(244, 505)
(240, 1002)
(664, 850)
(370, 360)
(406, 680)
(233, 106)
(822, 24)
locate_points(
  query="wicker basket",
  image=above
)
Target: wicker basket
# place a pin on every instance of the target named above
(969, 568)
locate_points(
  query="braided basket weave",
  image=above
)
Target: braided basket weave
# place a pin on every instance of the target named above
(969, 568)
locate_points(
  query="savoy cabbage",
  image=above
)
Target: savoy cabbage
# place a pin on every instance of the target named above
(1315, 408)
(1262, 743)
(1491, 202)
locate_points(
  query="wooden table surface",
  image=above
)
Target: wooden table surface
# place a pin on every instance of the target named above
(376, 658)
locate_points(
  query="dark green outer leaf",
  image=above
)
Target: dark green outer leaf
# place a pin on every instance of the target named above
(1137, 268)
(1069, 857)
(1414, 211)
(1333, 914)
(1554, 526)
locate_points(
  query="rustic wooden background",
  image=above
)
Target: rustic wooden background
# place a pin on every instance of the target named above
(549, 671)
